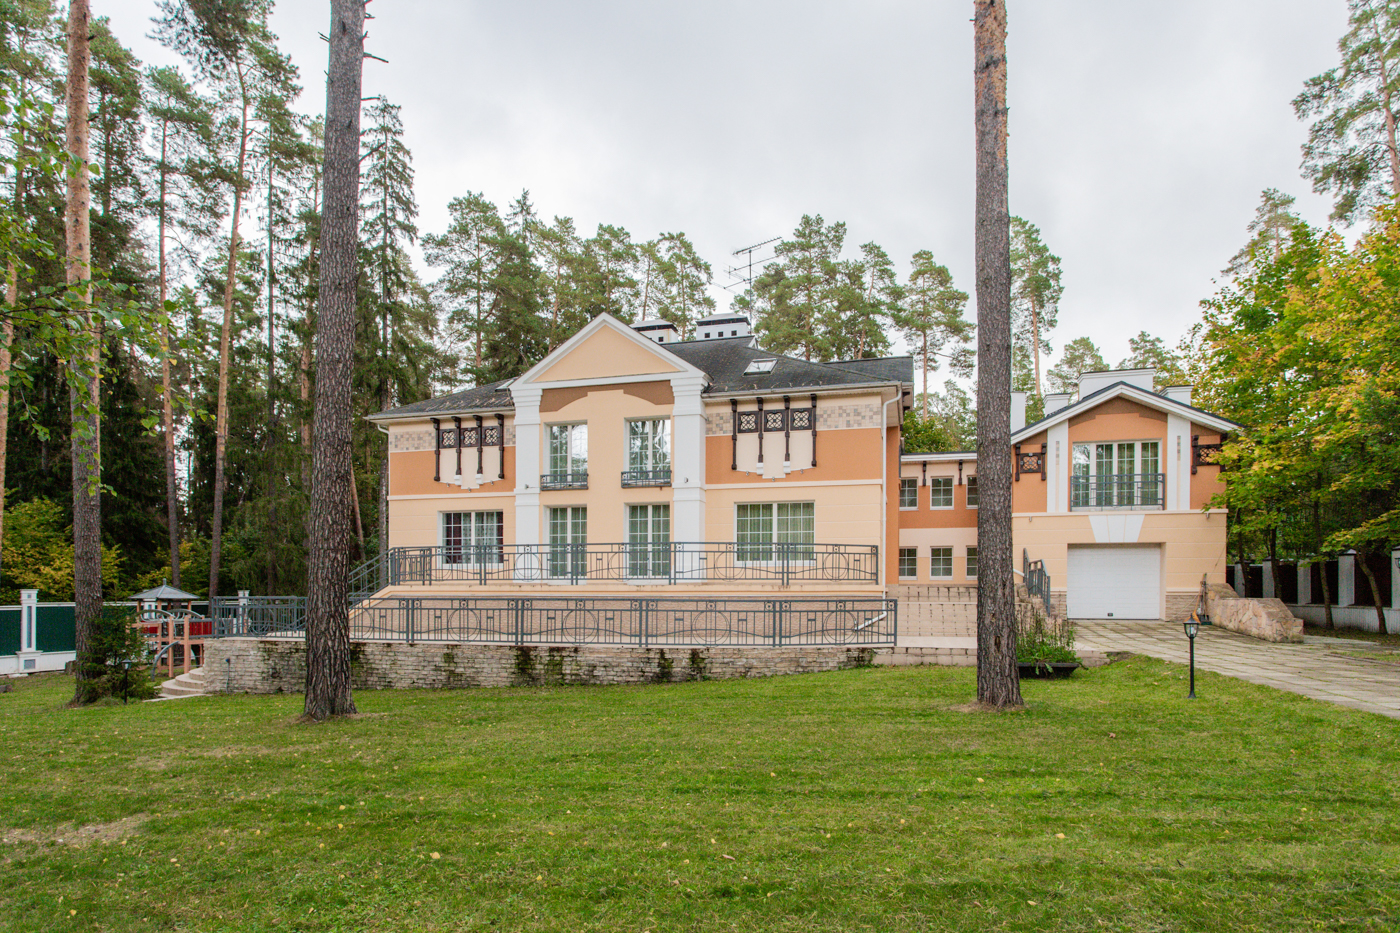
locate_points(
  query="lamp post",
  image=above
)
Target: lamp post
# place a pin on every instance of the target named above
(1193, 626)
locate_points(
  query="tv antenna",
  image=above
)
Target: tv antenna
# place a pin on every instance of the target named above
(742, 271)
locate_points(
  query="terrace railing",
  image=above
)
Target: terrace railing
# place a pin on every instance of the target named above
(667, 562)
(564, 480)
(1118, 491)
(607, 620)
(633, 478)
(257, 616)
(1036, 579)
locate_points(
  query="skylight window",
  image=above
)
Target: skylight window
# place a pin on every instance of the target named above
(760, 366)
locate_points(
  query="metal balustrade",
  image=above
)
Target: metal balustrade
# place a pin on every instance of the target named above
(1118, 491)
(575, 564)
(633, 478)
(564, 480)
(607, 620)
(258, 616)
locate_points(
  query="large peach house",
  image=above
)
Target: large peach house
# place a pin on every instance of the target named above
(629, 464)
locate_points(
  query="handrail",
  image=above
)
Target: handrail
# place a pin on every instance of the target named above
(1037, 580)
(1118, 491)
(784, 563)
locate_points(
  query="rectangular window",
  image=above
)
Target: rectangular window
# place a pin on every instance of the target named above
(909, 492)
(940, 563)
(940, 492)
(1126, 474)
(649, 540)
(568, 449)
(649, 444)
(758, 526)
(972, 492)
(474, 538)
(908, 563)
(972, 563)
(568, 541)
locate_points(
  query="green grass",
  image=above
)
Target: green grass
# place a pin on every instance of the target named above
(863, 800)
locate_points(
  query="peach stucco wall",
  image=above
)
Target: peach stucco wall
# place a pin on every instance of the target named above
(607, 354)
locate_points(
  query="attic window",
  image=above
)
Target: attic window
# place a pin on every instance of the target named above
(760, 366)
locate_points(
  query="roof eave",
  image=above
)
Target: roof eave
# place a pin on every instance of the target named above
(801, 390)
(1152, 399)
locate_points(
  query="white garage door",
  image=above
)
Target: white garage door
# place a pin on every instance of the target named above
(1114, 583)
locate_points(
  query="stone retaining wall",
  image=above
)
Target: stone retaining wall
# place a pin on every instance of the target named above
(1268, 619)
(252, 665)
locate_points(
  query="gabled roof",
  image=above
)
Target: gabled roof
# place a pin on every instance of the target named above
(1136, 394)
(722, 362)
(488, 398)
(725, 361)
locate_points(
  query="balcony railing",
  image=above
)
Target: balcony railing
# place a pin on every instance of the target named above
(646, 477)
(564, 480)
(667, 562)
(1118, 491)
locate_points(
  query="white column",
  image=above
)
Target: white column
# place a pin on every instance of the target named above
(1304, 583)
(1176, 463)
(1395, 578)
(527, 464)
(28, 657)
(1346, 580)
(688, 458)
(1060, 455)
(1269, 580)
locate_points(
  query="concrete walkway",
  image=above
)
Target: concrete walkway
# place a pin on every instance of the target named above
(1318, 668)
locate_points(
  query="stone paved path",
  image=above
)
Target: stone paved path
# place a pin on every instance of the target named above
(1315, 668)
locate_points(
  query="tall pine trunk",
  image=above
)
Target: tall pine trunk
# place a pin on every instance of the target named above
(1035, 342)
(332, 506)
(83, 393)
(225, 338)
(998, 682)
(167, 408)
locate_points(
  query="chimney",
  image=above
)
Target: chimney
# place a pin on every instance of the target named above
(1180, 394)
(657, 330)
(1018, 411)
(1089, 383)
(1055, 401)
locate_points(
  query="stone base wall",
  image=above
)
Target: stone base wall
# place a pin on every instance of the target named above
(1268, 619)
(252, 665)
(1181, 605)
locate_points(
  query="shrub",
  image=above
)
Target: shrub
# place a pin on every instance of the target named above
(115, 641)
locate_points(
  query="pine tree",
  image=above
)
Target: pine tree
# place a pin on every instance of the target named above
(1270, 230)
(931, 317)
(1079, 356)
(467, 252)
(998, 685)
(1148, 352)
(685, 281)
(793, 297)
(1035, 292)
(1352, 151)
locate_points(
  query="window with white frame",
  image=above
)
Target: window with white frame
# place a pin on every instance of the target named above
(909, 492)
(1120, 474)
(568, 449)
(649, 540)
(568, 541)
(908, 563)
(649, 444)
(473, 538)
(940, 565)
(940, 492)
(972, 492)
(758, 526)
(972, 563)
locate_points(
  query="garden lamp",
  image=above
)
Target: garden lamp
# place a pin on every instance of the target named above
(126, 680)
(1193, 627)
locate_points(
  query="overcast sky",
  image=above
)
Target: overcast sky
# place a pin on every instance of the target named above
(1141, 134)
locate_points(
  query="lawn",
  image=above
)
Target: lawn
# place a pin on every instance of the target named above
(862, 800)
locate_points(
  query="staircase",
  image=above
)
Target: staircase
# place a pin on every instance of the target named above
(188, 684)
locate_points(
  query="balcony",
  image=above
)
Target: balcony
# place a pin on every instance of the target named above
(564, 480)
(634, 478)
(1129, 491)
(577, 564)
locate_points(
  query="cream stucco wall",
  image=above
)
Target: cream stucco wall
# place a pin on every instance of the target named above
(959, 539)
(845, 513)
(415, 521)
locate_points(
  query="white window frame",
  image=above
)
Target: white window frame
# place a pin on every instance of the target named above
(1091, 449)
(576, 549)
(902, 552)
(933, 560)
(775, 534)
(971, 485)
(970, 562)
(473, 526)
(907, 482)
(652, 459)
(940, 480)
(654, 552)
(577, 437)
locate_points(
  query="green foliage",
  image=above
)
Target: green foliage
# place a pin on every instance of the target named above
(1045, 640)
(117, 659)
(38, 550)
(951, 425)
(1035, 294)
(930, 318)
(1079, 356)
(1353, 110)
(1146, 351)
